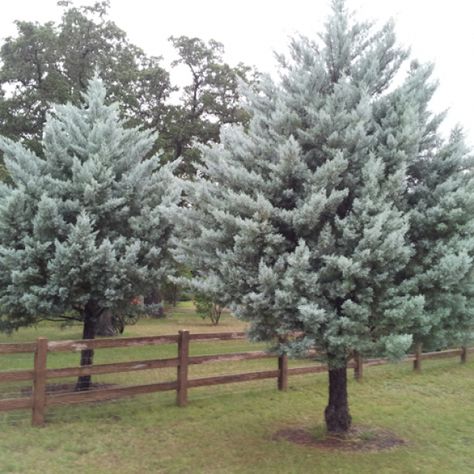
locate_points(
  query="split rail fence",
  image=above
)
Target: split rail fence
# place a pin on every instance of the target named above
(40, 400)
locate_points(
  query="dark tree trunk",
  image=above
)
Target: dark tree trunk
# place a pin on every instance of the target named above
(91, 315)
(154, 298)
(173, 294)
(105, 325)
(178, 150)
(337, 416)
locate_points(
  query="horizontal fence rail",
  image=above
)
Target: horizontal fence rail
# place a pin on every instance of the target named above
(81, 344)
(40, 374)
(17, 348)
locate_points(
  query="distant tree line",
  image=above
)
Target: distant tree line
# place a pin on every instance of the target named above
(46, 63)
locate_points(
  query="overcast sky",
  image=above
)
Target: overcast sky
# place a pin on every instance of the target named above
(440, 31)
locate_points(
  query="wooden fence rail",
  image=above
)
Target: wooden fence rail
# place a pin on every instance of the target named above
(40, 374)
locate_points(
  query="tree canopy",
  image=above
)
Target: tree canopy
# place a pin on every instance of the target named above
(210, 100)
(336, 213)
(82, 227)
(52, 63)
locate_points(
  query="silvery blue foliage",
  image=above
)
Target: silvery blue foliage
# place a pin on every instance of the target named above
(86, 222)
(303, 222)
(442, 230)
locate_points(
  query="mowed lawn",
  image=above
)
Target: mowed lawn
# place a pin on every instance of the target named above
(230, 428)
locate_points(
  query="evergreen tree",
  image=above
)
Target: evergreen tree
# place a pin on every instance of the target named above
(301, 224)
(440, 204)
(442, 232)
(82, 230)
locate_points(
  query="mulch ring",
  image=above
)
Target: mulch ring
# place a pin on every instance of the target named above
(359, 438)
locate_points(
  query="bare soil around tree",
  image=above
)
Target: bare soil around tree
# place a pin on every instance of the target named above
(358, 438)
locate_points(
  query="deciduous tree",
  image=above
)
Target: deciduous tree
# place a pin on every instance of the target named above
(210, 99)
(52, 63)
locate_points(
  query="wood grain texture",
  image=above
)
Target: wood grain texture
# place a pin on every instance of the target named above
(233, 356)
(182, 371)
(359, 366)
(108, 393)
(313, 369)
(112, 368)
(418, 357)
(218, 336)
(39, 382)
(374, 362)
(8, 404)
(223, 379)
(81, 344)
(16, 375)
(282, 383)
(441, 354)
(17, 347)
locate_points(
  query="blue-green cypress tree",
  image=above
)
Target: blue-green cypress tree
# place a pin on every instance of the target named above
(301, 223)
(441, 200)
(83, 229)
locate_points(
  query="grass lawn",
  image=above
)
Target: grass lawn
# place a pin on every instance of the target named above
(229, 428)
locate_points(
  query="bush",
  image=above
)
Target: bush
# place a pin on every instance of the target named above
(206, 307)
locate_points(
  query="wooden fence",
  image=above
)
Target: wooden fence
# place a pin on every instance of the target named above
(40, 374)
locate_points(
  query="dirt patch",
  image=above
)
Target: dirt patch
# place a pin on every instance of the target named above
(359, 438)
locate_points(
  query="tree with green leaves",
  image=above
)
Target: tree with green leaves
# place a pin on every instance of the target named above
(206, 307)
(83, 227)
(52, 63)
(211, 99)
(305, 224)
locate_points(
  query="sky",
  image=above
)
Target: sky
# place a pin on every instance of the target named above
(438, 31)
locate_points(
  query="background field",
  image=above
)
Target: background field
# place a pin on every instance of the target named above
(229, 428)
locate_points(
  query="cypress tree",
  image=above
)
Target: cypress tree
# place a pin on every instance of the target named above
(301, 224)
(83, 229)
(441, 200)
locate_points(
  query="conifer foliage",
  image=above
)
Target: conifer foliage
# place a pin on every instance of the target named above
(309, 221)
(83, 229)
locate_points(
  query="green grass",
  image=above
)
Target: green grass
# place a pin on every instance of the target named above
(229, 428)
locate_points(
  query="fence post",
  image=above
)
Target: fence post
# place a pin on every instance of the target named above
(283, 372)
(359, 366)
(418, 356)
(463, 354)
(39, 381)
(183, 359)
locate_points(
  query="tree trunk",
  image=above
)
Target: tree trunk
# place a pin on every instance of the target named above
(105, 325)
(154, 298)
(174, 294)
(91, 314)
(337, 416)
(216, 312)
